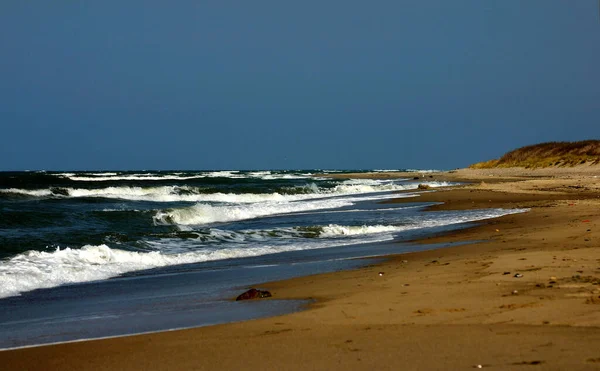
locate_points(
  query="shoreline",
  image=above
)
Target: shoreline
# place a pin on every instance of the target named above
(436, 309)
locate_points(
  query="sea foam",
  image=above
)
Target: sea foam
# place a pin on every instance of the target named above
(43, 269)
(275, 204)
(231, 174)
(197, 194)
(205, 214)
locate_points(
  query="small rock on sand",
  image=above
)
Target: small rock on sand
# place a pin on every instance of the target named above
(253, 294)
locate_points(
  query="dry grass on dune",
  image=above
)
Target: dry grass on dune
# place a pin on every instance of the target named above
(551, 154)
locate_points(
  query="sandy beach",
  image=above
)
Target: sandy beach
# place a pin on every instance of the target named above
(518, 292)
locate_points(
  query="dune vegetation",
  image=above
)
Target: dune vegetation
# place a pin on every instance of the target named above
(551, 154)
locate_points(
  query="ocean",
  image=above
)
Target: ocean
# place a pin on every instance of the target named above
(96, 254)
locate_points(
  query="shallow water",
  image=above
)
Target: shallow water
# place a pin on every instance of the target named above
(169, 298)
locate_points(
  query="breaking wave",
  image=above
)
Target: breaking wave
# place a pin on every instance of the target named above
(231, 174)
(198, 194)
(43, 269)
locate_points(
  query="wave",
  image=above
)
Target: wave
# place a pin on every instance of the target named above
(40, 269)
(28, 192)
(427, 171)
(114, 176)
(203, 213)
(426, 221)
(355, 186)
(153, 176)
(197, 194)
(96, 178)
(36, 270)
(174, 194)
(200, 214)
(157, 194)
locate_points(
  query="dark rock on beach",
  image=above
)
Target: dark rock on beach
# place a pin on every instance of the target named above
(254, 294)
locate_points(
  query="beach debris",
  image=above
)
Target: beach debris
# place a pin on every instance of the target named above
(505, 273)
(423, 186)
(518, 275)
(381, 274)
(404, 261)
(497, 230)
(583, 221)
(253, 294)
(515, 292)
(478, 366)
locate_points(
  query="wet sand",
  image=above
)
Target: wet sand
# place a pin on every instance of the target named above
(526, 296)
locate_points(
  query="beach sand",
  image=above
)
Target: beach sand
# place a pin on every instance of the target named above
(525, 296)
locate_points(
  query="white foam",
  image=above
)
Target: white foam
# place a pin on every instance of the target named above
(102, 177)
(156, 194)
(259, 174)
(451, 219)
(203, 213)
(35, 269)
(194, 194)
(103, 174)
(355, 186)
(206, 214)
(274, 204)
(99, 178)
(172, 194)
(225, 174)
(285, 176)
(427, 171)
(28, 192)
(113, 176)
(341, 230)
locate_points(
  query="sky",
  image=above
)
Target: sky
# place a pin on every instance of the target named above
(432, 84)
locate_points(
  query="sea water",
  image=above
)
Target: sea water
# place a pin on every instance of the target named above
(93, 254)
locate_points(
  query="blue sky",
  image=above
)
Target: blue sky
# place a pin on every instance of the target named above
(306, 84)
